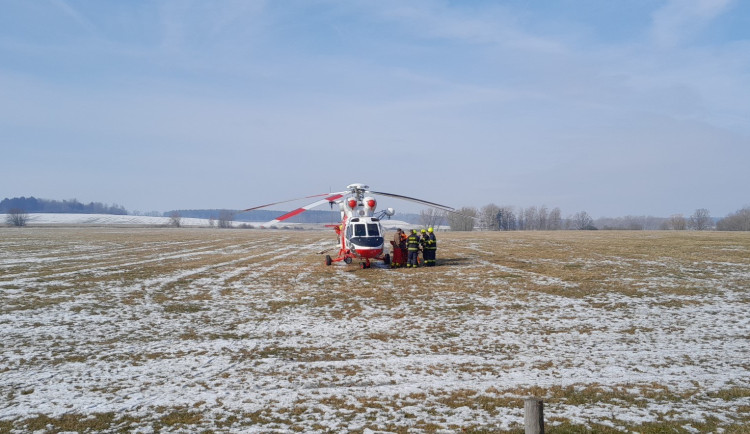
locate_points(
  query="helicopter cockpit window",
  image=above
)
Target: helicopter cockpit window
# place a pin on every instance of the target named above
(359, 230)
(372, 230)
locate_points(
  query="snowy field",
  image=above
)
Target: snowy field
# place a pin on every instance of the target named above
(207, 330)
(62, 219)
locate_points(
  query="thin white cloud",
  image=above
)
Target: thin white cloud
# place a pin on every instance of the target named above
(494, 25)
(76, 16)
(679, 20)
(209, 30)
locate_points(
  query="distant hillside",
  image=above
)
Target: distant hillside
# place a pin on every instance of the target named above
(73, 206)
(312, 216)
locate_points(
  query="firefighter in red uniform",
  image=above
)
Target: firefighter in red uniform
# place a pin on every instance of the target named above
(404, 251)
(399, 245)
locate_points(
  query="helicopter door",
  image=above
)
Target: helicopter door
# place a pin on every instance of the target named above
(348, 236)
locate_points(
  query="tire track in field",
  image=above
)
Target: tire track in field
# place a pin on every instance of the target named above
(65, 256)
(295, 250)
(115, 267)
(182, 255)
(72, 252)
(533, 277)
(275, 255)
(203, 248)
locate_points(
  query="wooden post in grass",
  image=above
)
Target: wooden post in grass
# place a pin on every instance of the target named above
(534, 415)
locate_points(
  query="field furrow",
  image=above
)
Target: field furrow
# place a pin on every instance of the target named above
(247, 330)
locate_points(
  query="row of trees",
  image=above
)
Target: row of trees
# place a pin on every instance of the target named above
(489, 217)
(506, 218)
(73, 206)
(738, 221)
(224, 220)
(495, 218)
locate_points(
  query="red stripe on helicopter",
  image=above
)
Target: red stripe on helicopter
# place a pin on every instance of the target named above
(291, 214)
(307, 207)
(334, 197)
(283, 201)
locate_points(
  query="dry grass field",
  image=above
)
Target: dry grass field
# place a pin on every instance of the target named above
(207, 330)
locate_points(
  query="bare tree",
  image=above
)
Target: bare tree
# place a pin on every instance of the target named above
(631, 223)
(554, 221)
(16, 217)
(739, 221)
(462, 220)
(530, 219)
(542, 218)
(175, 219)
(651, 223)
(225, 219)
(582, 221)
(431, 218)
(677, 222)
(507, 219)
(488, 217)
(700, 220)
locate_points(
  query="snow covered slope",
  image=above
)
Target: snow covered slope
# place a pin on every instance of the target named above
(119, 220)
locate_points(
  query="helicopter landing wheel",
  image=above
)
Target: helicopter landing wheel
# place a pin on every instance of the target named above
(387, 259)
(348, 260)
(328, 260)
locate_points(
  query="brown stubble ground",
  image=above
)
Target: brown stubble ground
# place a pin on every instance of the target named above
(180, 276)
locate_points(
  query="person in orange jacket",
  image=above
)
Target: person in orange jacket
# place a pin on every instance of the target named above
(399, 242)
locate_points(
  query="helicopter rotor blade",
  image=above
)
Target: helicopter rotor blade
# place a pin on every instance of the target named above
(292, 200)
(330, 199)
(414, 199)
(424, 202)
(358, 190)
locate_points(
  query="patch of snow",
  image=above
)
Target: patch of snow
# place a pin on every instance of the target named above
(263, 341)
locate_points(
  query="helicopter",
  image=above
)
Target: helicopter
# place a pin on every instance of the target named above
(360, 232)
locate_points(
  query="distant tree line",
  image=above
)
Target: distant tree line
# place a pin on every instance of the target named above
(738, 221)
(490, 217)
(73, 206)
(507, 218)
(532, 218)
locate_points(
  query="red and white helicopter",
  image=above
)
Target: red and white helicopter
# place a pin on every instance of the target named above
(360, 233)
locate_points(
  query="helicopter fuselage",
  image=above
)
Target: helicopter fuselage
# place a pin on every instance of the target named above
(360, 233)
(364, 237)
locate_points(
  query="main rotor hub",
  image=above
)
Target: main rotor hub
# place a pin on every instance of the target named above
(358, 190)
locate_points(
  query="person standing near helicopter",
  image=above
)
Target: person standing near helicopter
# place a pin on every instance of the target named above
(423, 239)
(430, 247)
(399, 249)
(412, 245)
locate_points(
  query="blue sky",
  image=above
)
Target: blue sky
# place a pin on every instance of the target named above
(611, 107)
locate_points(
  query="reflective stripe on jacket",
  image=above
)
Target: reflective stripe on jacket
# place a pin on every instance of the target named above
(431, 242)
(412, 243)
